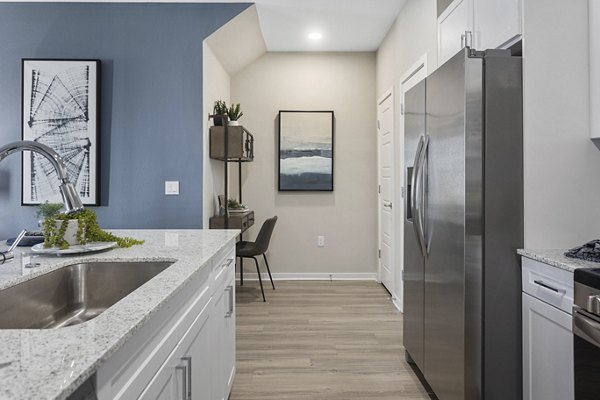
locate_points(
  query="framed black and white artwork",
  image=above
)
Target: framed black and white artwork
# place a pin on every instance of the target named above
(306, 150)
(60, 102)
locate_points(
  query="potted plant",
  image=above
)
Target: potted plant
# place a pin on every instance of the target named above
(219, 110)
(47, 210)
(234, 113)
(63, 231)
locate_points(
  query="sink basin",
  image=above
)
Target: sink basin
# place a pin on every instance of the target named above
(73, 294)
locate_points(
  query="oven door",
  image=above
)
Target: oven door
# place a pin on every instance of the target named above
(586, 331)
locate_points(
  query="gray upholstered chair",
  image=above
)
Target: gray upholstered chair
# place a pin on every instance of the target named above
(253, 249)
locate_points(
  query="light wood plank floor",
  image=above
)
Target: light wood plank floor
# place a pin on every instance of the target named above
(321, 340)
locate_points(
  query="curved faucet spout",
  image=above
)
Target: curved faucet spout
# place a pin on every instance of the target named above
(71, 199)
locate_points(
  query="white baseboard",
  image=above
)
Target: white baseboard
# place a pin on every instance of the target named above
(316, 276)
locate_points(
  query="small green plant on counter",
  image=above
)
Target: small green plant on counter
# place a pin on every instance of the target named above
(234, 112)
(47, 210)
(88, 231)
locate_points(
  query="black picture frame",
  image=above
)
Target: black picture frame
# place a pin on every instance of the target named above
(60, 107)
(320, 124)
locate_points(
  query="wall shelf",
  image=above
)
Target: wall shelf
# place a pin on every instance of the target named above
(231, 144)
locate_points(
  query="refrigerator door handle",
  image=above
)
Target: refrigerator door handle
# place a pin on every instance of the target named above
(420, 192)
(413, 198)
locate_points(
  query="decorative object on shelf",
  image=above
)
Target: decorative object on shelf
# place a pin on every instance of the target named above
(306, 150)
(240, 143)
(219, 110)
(234, 113)
(235, 206)
(86, 230)
(60, 109)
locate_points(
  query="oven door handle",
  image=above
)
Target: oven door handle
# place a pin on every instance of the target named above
(586, 328)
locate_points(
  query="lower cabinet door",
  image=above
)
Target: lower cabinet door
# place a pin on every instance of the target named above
(196, 355)
(218, 345)
(229, 335)
(547, 352)
(165, 385)
(186, 375)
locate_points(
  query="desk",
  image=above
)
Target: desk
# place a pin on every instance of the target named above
(241, 221)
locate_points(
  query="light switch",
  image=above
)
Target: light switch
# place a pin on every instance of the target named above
(172, 188)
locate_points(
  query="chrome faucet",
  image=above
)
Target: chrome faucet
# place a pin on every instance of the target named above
(68, 192)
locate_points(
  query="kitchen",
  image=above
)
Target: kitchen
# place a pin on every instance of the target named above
(157, 109)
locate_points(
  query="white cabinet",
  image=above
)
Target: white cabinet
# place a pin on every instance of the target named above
(453, 24)
(547, 352)
(480, 24)
(224, 330)
(547, 332)
(186, 374)
(186, 350)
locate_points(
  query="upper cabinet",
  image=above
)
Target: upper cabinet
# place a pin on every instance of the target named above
(479, 24)
(594, 6)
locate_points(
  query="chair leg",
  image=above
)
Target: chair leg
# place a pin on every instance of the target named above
(259, 279)
(241, 271)
(268, 270)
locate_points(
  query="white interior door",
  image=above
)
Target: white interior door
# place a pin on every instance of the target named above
(385, 128)
(414, 75)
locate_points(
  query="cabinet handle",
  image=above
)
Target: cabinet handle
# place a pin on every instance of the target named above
(545, 285)
(183, 370)
(230, 311)
(188, 368)
(228, 263)
(469, 39)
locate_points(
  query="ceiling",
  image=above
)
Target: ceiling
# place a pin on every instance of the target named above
(346, 25)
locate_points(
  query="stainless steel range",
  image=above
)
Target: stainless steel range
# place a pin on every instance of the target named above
(586, 333)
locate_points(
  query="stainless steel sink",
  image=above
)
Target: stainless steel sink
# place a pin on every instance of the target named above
(73, 294)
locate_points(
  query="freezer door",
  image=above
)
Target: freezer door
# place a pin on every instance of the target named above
(414, 275)
(454, 112)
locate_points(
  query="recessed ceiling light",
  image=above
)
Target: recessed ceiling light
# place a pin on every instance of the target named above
(315, 36)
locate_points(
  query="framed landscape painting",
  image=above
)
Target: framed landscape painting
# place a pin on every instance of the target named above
(306, 150)
(60, 100)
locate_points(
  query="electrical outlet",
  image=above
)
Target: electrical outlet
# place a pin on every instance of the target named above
(172, 188)
(321, 241)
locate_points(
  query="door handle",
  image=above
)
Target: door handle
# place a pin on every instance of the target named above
(230, 310)
(183, 370)
(586, 328)
(188, 360)
(420, 200)
(387, 204)
(413, 193)
(545, 285)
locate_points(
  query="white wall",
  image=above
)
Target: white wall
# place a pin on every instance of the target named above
(216, 87)
(562, 165)
(345, 83)
(413, 34)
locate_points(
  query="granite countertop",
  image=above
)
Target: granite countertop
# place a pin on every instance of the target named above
(557, 258)
(53, 363)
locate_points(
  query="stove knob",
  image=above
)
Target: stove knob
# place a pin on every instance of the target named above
(593, 304)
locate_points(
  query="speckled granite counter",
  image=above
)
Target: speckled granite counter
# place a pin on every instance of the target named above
(556, 258)
(53, 363)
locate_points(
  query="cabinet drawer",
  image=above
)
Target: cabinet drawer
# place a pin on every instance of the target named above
(224, 267)
(549, 284)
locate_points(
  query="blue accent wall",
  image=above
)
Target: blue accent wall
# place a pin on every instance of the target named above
(151, 105)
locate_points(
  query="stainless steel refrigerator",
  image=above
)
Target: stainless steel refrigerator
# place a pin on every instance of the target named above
(463, 225)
